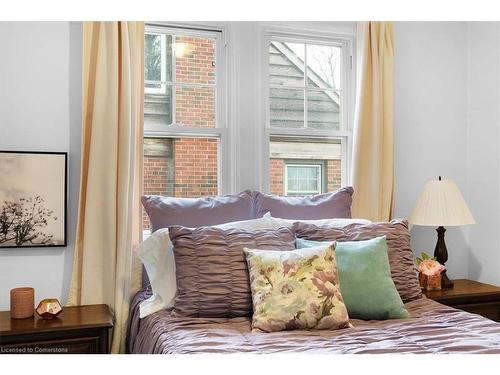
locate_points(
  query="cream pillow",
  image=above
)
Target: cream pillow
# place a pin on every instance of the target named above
(157, 256)
(296, 289)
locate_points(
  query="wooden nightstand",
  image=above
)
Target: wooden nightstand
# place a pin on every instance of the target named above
(77, 329)
(471, 296)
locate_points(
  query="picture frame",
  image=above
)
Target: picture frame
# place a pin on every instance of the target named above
(33, 199)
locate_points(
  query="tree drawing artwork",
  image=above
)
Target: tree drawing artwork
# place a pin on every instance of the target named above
(22, 222)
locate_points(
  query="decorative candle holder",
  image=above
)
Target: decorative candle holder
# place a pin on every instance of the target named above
(432, 282)
(22, 303)
(49, 308)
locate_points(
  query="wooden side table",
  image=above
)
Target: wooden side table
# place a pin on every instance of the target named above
(77, 329)
(471, 296)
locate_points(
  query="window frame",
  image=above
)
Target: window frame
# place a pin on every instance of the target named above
(220, 131)
(347, 87)
(320, 165)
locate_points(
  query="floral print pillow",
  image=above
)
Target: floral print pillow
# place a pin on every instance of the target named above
(296, 289)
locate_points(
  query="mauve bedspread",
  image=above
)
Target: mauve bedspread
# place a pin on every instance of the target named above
(433, 328)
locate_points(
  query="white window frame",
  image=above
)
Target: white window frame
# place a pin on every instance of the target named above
(319, 173)
(347, 88)
(220, 131)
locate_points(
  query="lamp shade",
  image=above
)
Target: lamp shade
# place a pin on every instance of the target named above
(441, 204)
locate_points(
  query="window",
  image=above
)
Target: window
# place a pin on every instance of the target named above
(286, 152)
(308, 117)
(184, 122)
(303, 179)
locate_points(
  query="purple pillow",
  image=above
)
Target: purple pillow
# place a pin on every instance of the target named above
(195, 212)
(211, 268)
(336, 204)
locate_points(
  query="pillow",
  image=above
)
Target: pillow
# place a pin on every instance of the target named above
(295, 290)
(338, 223)
(321, 206)
(195, 212)
(365, 279)
(211, 271)
(399, 249)
(158, 259)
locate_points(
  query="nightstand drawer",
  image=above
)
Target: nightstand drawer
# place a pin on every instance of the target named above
(57, 342)
(78, 329)
(490, 310)
(69, 346)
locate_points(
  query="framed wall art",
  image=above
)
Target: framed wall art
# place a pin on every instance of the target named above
(33, 189)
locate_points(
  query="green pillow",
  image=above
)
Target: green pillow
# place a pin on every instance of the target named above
(365, 279)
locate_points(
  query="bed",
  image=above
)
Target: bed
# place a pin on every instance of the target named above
(432, 328)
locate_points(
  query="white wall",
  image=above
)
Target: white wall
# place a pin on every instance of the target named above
(40, 110)
(483, 143)
(430, 123)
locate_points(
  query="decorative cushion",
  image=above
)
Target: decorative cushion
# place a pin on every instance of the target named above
(157, 257)
(295, 290)
(321, 206)
(399, 249)
(365, 279)
(211, 271)
(194, 212)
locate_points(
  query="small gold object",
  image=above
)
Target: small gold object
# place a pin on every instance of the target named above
(49, 308)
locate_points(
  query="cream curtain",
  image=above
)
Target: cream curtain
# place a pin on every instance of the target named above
(373, 145)
(104, 270)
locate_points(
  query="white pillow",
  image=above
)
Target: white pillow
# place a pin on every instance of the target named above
(337, 223)
(158, 258)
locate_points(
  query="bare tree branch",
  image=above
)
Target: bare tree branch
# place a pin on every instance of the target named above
(23, 221)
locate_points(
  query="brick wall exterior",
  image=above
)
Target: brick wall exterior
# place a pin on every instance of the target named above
(276, 176)
(195, 167)
(195, 106)
(333, 175)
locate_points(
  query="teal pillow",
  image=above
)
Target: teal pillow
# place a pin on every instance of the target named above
(365, 279)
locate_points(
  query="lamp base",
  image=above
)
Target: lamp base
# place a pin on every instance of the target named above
(446, 283)
(441, 255)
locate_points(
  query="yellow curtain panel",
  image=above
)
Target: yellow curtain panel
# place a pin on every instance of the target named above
(109, 216)
(373, 143)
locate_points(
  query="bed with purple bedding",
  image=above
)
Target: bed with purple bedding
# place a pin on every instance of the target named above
(432, 328)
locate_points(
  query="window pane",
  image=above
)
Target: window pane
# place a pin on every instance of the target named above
(157, 57)
(286, 63)
(194, 59)
(158, 106)
(286, 108)
(324, 66)
(195, 106)
(180, 167)
(323, 109)
(303, 179)
(317, 164)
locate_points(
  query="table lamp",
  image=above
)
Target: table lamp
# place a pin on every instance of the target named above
(441, 204)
